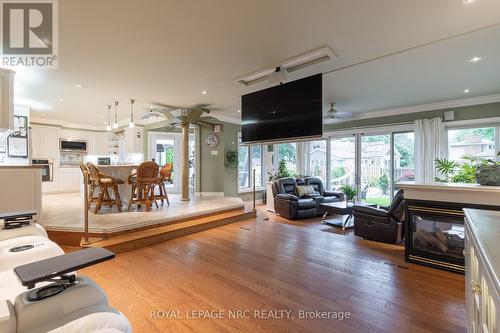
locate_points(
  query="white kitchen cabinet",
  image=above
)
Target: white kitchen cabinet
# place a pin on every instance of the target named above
(99, 144)
(69, 179)
(45, 141)
(482, 287)
(134, 140)
(6, 99)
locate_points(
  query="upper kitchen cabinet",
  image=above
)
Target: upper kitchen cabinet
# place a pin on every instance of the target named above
(6, 99)
(45, 141)
(134, 141)
(99, 144)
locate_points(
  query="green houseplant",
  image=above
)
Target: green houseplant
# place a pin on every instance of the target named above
(281, 173)
(350, 192)
(231, 159)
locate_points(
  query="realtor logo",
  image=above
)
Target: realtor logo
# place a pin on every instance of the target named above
(29, 33)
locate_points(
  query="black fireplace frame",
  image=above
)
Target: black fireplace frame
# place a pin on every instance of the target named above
(450, 211)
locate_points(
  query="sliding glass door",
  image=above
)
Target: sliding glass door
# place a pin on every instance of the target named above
(372, 163)
(342, 162)
(375, 169)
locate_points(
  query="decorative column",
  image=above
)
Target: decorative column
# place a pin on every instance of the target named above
(185, 162)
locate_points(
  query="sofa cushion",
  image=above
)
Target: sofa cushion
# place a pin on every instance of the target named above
(306, 203)
(305, 190)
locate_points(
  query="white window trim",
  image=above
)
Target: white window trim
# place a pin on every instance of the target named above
(473, 123)
(250, 169)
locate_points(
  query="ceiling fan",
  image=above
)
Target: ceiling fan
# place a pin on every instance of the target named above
(333, 113)
(178, 116)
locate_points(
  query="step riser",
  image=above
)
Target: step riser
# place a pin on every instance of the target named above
(161, 237)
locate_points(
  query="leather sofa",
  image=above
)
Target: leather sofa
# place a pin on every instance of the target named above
(381, 224)
(288, 204)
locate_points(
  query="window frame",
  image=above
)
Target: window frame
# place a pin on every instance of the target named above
(249, 164)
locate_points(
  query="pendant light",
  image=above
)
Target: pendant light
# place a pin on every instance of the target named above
(115, 124)
(108, 125)
(131, 124)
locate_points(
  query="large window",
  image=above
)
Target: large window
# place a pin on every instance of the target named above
(249, 159)
(404, 157)
(288, 153)
(471, 143)
(317, 159)
(376, 169)
(342, 162)
(372, 163)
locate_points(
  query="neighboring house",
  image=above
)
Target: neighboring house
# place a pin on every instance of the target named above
(473, 145)
(372, 153)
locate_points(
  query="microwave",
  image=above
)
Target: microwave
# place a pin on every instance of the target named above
(74, 146)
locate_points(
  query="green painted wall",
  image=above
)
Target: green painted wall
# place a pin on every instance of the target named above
(461, 113)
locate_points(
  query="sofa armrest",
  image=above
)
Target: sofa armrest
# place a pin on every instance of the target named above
(370, 211)
(337, 194)
(290, 197)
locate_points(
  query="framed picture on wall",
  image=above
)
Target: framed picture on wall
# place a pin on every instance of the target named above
(20, 129)
(17, 146)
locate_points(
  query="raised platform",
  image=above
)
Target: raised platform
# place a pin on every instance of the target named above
(62, 217)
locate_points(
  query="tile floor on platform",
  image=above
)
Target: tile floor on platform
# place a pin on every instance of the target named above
(64, 212)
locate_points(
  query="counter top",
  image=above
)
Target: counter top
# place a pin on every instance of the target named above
(118, 166)
(448, 186)
(21, 166)
(485, 228)
(452, 192)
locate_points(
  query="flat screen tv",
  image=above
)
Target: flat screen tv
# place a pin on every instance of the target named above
(289, 111)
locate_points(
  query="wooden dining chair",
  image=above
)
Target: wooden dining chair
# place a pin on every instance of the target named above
(164, 175)
(167, 170)
(91, 183)
(105, 183)
(143, 183)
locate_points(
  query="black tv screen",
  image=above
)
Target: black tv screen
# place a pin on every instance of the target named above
(288, 111)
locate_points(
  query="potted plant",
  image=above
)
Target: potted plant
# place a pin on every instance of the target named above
(281, 173)
(350, 192)
(231, 159)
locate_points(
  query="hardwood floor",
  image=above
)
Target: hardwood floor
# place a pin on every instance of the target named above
(278, 264)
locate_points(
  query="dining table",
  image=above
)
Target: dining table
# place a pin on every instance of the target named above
(122, 172)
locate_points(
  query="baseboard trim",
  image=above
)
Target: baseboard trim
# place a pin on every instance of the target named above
(209, 194)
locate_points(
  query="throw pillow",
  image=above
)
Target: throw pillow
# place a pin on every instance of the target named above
(305, 190)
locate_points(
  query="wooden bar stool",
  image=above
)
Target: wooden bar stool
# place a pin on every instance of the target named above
(105, 183)
(165, 174)
(143, 183)
(92, 184)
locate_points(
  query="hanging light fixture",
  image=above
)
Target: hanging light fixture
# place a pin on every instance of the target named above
(131, 124)
(115, 124)
(108, 125)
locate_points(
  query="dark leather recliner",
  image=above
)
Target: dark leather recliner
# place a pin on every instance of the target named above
(288, 204)
(324, 196)
(381, 225)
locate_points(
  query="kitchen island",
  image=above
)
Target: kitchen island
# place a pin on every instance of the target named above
(482, 270)
(121, 172)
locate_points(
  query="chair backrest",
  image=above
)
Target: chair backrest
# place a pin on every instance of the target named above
(287, 186)
(94, 172)
(85, 170)
(316, 183)
(147, 172)
(397, 209)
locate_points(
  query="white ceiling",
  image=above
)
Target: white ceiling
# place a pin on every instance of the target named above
(170, 51)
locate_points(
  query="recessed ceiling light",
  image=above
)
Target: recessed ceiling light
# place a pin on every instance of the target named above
(239, 111)
(204, 92)
(61, 99)
(466, 91)
(78, 86)
(475, 59)
(466, 2)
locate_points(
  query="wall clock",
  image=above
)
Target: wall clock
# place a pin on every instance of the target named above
(212, 140)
